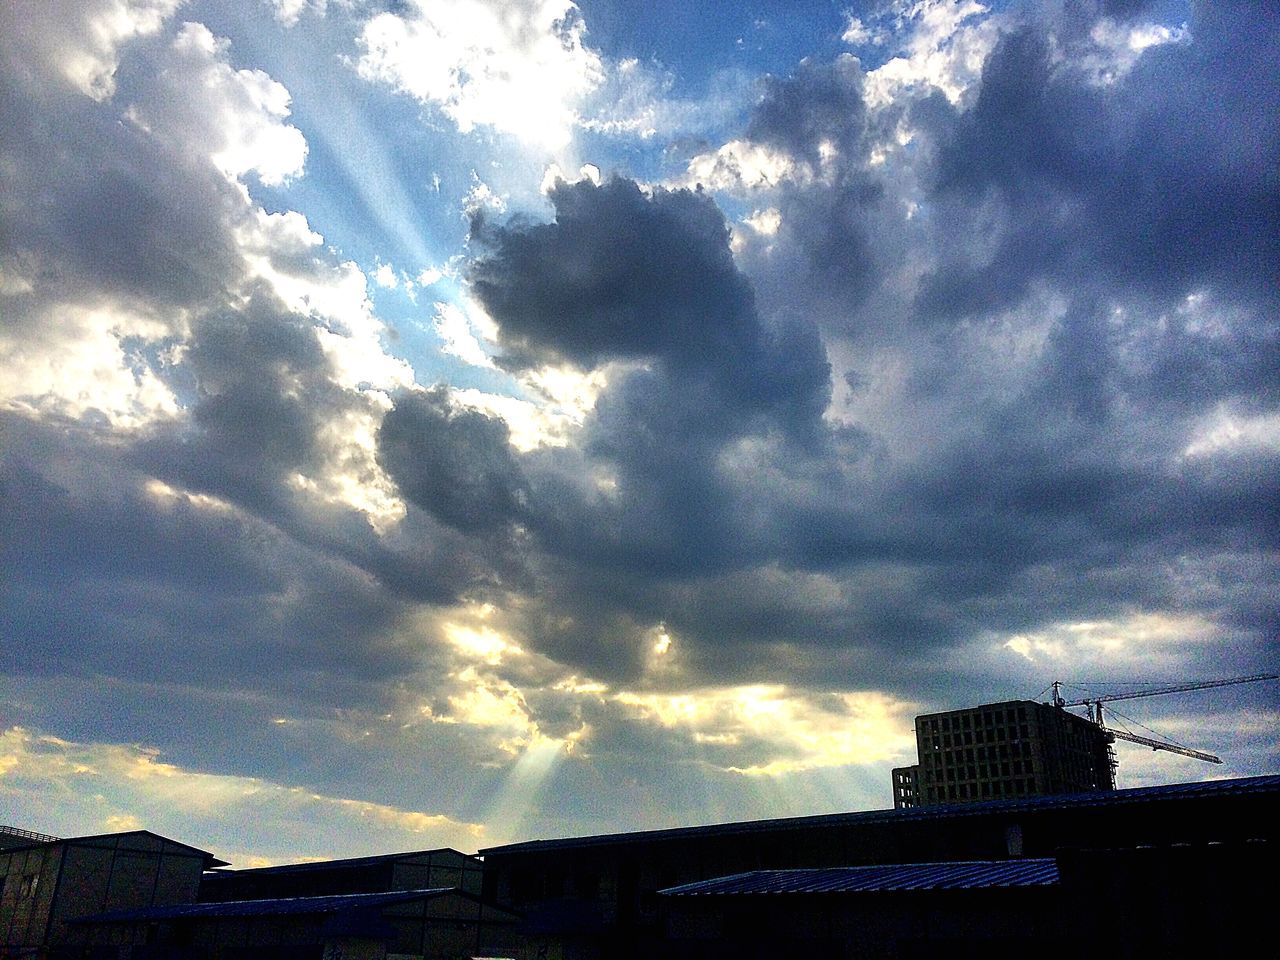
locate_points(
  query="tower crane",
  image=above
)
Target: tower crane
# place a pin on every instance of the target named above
(1094, 707)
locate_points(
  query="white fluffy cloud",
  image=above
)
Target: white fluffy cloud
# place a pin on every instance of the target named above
(521, 68)
(84, 360)
(236, 117)
(945, 44)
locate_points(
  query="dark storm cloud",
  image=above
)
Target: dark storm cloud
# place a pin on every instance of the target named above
(814, 109)
(621, 275)
(617, 275)
(120, 221)
(817, 116)
(1050, 493)
(1162, 183)
(456, 464)
(104, 577)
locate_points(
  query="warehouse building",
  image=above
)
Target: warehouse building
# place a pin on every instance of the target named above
(610, 896)
(385, 873)
(47, 884)
(1179, 900)
(423, 904)
(431, 924)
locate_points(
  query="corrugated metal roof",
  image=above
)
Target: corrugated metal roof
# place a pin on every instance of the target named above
(971, 875)
(255, 908)
(1099, 798)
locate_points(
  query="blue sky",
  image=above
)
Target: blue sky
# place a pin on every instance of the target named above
(453, 423)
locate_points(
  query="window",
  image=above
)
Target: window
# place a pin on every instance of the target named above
(28, 886)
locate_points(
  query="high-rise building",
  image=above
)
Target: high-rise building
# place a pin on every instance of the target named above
(1018, 748)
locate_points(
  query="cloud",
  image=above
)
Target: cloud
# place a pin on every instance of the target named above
(943, 48)
(88, 786)
(79, 42)
(1099, 187)
(455, 463)
(521, 69)
(235, 116)
(683, 519)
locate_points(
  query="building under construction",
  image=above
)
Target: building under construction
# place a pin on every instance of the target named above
(1021, 748)
(1018, 748)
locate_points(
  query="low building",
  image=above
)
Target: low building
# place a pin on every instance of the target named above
(1018, 748)
(384, 873)
(47, 884)
(596, 897)
(983, 908)
(420, 905)
(433, 924)
(1179, 900)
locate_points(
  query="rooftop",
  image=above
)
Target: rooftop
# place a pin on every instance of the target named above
(970, 875)
(103, 839)
(1096, 798)
(348, 863)
(286, 905)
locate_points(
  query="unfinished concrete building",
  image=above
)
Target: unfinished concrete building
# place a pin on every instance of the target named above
(1018, 748)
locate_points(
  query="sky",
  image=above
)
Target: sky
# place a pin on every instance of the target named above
(454, 423)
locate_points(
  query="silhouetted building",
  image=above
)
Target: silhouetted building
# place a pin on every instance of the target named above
(590, 897)
(423, 905)
(996, 908)
(417, 870)
(432, 924)
(1018, 748)
(17, 837)
(46, 885)
(1180, 900)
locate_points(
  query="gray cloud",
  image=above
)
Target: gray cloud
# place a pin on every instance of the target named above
(456, 464)
(1164, 181)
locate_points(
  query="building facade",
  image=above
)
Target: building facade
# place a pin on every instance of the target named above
(1018, 748)
(47, 885)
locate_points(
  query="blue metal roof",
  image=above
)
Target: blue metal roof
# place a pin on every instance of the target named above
(257, 908)
(971, 875)
(1062, 801)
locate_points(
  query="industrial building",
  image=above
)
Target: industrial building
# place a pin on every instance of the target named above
(424, 904)
(48, 884)
(1170, 870)
(1176, 900)
(1018, 748)
(618, 896)
(432, 924)
(418, 870)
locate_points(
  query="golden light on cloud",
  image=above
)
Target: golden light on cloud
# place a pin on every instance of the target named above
(793, 730)
(126, 786)
(1121, 643)
(481, 642)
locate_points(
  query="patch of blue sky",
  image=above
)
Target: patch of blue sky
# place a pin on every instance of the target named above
(707, 38)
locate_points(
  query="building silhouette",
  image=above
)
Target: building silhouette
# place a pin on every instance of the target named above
(47, 885)
(1018, 748)
(1170, 870)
